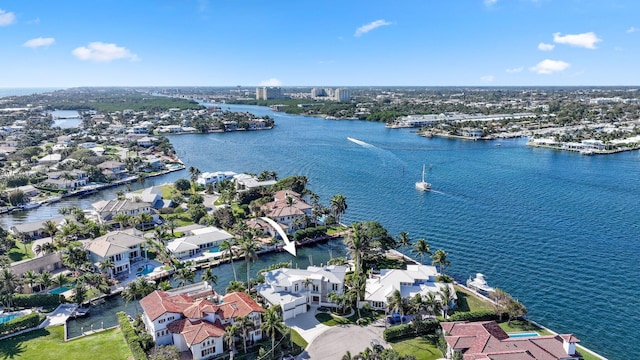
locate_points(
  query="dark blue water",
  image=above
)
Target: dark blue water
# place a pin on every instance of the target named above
(559, 231)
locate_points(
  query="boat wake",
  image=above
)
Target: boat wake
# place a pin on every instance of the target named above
(360, 142)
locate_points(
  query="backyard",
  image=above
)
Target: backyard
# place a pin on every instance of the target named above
(422, 347)
(49, 344)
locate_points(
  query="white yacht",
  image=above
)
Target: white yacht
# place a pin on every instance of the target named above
(479, 284)
(423, 185)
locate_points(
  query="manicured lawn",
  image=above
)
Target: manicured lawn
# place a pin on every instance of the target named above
(49, 344)
(422, 348)
(330, 320)
(17, 252)
(522, 326)
(298, 340)
(586, 355)
(167, 191)
(469, 302)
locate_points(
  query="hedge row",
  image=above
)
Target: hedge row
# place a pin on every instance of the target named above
(480, 315)
(310, 233)
(130, 336)
(35, 300)
(411, 330)
(21, 323)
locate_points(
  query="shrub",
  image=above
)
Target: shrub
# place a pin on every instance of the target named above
(35, 300)
(480, 315)
(411, 330)
(21, 323)
(130, 335)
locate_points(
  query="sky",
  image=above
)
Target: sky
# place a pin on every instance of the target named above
(72, 43)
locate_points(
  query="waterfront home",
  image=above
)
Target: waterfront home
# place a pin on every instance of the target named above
(121, 248)
(214, 177)
(199, 241)
(416, 279)
(294, 289)
(487, 340)
(147, 141)
(288, 209)
(66, 179)
(107, 210)
(246, 182)
(36, 229)
(195, 321)
(113, 169)
(151, 195)
(27, 190)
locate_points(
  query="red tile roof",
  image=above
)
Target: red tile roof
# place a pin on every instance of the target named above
(158, 303)
(238, 304)
(195, 331)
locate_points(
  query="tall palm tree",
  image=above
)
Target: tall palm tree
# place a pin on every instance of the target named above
(172, 224)
(9, 282)
(228, 250)
(307, 282)
(137, 289)
(60, 280)
(244, 323)
(184, 276)
(403, 239)
(209, 277)
(357, 244)
(122, 219)
(445, 296)
(431, 303)
(396, 303)
(230, 334)
(30, 277)
(249, 247)
(421, 248)
(44, 280)
(194, 172)
(440, 258)
(235, 286)
(338, 205)
(50, 227)
(271, 325)
(107, 266)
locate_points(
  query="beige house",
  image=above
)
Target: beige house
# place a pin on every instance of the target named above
(123, 249)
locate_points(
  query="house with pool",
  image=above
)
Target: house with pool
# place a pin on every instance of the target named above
(198, 241)
(294, 289)
(487, 341)
(194, 319)
(122, 248)
(416, 279)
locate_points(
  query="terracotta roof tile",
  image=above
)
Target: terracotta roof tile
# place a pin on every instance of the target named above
(195, 331)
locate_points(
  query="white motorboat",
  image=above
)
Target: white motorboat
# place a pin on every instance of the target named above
(423, 185)
(479, 284)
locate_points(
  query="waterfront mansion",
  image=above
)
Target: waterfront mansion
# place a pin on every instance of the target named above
(194, 318)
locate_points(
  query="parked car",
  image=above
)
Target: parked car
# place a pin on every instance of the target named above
(376, 346)
(396, 319)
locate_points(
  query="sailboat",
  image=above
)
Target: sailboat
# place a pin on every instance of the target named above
(423, 185)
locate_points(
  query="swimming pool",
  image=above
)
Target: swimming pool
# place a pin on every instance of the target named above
(59, 290)
(522, 335)
(146, 269)
(8, 317)
(214, 250)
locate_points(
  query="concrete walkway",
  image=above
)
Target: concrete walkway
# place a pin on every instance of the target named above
(307, 325)
(59, 316)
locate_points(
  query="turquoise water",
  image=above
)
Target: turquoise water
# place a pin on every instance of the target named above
(59, 290)
(214, 250)
(522, 335)
(559, 231)
(146, 269)
(8, 317)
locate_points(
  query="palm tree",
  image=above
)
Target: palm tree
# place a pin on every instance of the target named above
(403, 239)
(44, 280)
(209, 277)
(30, 277)
(230, 338)
(137, 289)
(421, 248)
(122, 219)
(307, 282)
(107, 266)
(80, 293)
(249, 247)
(172, 224)
(244, 323)
(50, 227)
(396, 303)
(357, 244)
(194, 172)
(431, 303)
(440, 258)
(272, 324)
(235, 286)
(338, 205)
(445, 296)
(228, 250)
(9, 282)
(184, 276)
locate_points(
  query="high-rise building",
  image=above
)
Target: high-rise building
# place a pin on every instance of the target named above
(342, 94)
(265, 93)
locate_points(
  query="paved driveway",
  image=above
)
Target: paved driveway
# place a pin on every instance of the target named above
(335, 341)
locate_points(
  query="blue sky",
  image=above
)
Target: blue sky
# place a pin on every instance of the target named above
(71, 43)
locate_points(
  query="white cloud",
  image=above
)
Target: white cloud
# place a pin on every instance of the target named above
(490, 2)
(370, 26)
(549, 66)
(586, 40)
(38, 42)
(487, 78)
(102, 52)
(515, 70)
(7, 18)
(545, 47)
(271, 82)
(632, 30)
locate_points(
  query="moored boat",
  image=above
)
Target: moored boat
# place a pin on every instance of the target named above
(479, 284)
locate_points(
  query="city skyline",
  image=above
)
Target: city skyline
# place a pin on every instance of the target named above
(290, 43)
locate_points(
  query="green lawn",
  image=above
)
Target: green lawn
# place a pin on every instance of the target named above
(522, 326)
(298, 340)
(49, 344)
(167, 191)
(331, 320)
(17, 252)
(422, 348)
(469, 302)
